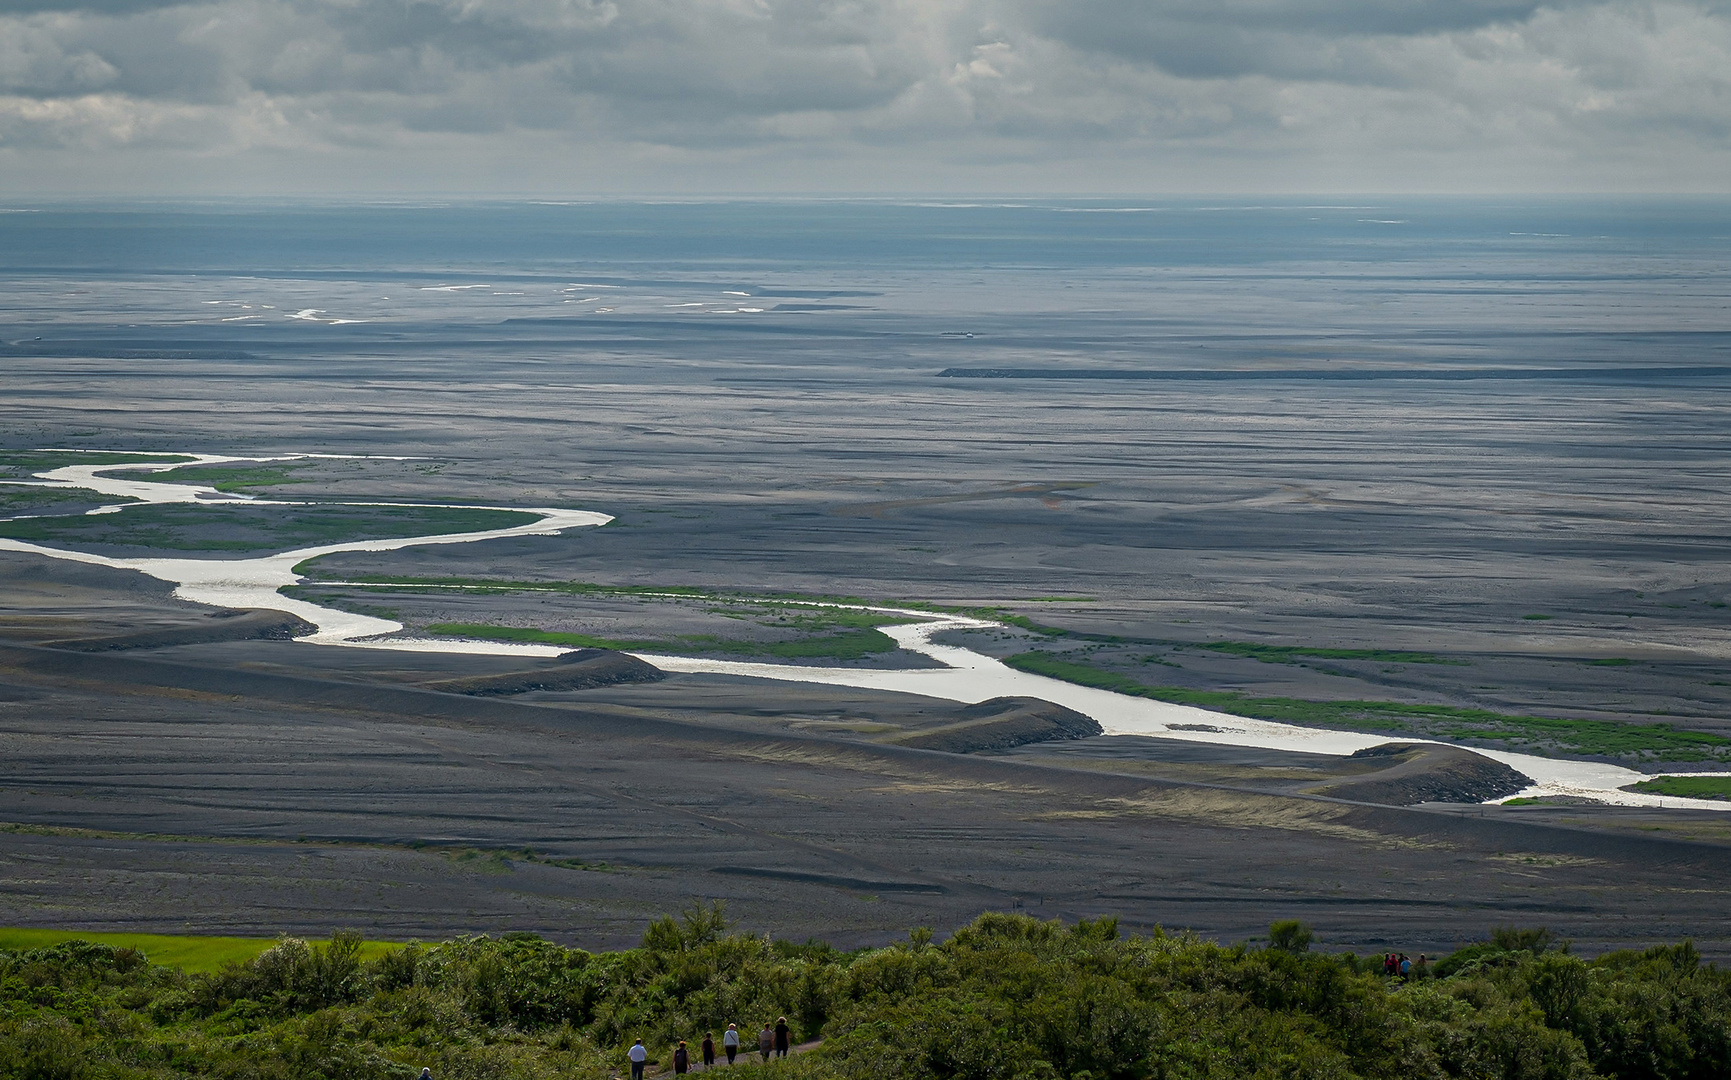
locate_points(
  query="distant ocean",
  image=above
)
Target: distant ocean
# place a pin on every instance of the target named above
(1350, 288)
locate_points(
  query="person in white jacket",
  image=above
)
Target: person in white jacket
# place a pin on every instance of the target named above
(730, 1042)
(638, 1055)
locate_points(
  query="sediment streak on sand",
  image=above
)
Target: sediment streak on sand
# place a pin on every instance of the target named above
(966, 676)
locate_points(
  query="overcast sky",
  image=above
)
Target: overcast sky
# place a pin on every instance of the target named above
(762, 96)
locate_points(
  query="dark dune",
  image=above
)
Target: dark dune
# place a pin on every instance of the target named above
(1427, 772)
(217, 788)
(239, 625)
(584, 669)
(1003, 723)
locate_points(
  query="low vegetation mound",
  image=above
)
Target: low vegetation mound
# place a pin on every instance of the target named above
(1006, 998)
(1427, 772)
(583, 669)
(1004, 723)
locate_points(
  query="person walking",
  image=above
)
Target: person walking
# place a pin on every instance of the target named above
(638, 1055)
(765, 1041)
(708, 1049)
(781, 1036)
(681, 1058)
(730, 1041)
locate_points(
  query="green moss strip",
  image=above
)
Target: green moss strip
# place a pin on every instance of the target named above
(1287, 654)
(237, 478)
(851, 645)
(1589, 737)
(1686, 787)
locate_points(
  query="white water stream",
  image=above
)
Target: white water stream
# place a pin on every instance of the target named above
(966, 676)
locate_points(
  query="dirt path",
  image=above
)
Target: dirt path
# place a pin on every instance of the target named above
(659, 1069)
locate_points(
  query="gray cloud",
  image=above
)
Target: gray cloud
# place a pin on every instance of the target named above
(882, 90)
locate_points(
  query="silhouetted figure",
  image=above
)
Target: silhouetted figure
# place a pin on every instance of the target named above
(708, 1049)
(681, 1058)
(781, 1036)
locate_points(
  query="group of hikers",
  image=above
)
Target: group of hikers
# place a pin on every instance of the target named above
(1397, 965)
(771, 1041)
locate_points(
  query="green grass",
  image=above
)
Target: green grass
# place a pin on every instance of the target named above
(238, 478)
(182, 527)
(168, 950)
(531, 636)
(1686, 787)
(1542, 734)
(26, 462)
(310, 570)
(1287, 654)
(1538, 618)
(1611, 661)
(29, 500)
(851, 645)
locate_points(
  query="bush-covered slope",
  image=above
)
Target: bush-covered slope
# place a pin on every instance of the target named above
(1007, 997)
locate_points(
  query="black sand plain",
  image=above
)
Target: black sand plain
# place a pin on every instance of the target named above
(265, 785)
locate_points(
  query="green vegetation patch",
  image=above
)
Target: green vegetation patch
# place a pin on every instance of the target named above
(22, 463)
(851, 645)
(186, 527)
(1287, 654)
(1686, 787)
(311, 570)
(239, 478)
(34, 500)
(1541, 734)
(1005, 998)
(167, 950)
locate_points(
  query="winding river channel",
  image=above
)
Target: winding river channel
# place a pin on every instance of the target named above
(965, 676)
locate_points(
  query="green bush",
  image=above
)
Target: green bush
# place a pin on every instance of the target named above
(1005, 998)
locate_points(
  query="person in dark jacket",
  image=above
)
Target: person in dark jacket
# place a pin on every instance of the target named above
(708, 1049)
(781, 1036)
(681, 1058)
